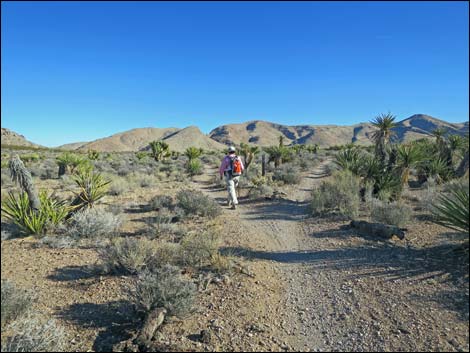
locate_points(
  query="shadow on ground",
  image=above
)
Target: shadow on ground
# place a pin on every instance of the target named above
(114, 320)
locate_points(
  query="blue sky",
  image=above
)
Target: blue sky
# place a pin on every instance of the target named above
(77, 71)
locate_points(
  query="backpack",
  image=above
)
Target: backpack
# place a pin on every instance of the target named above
(235, 166)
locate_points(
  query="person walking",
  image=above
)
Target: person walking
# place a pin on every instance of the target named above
(231, 167)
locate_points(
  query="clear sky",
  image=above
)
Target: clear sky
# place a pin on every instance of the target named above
(77, 71)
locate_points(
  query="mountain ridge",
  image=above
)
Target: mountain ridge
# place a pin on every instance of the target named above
(257, 132)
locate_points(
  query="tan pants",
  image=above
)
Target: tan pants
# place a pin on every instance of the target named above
(232, 183)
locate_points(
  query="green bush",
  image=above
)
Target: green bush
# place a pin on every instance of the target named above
(341, 194)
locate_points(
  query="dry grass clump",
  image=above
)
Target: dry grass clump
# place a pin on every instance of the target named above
(198, 250)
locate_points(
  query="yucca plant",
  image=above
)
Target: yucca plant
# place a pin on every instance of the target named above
(70, 162)
(194, 167)
(452, 210)
(435, 168)
(193, 152)
(159, 150)
(385, 123)
(92, 187)
(350, 159)
(51, 212)
(311, 148)
(371, 168)
(408, 157)
(387, 185)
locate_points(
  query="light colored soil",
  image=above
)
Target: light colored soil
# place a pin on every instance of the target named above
(314, 284)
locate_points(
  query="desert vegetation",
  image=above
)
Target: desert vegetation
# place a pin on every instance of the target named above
(156, 233)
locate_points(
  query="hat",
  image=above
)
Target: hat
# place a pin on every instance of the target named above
(231, 149)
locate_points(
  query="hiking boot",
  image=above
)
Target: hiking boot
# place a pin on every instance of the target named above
(234, 207)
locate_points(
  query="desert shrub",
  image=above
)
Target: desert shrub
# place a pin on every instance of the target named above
(93, 223)
(127, 255)
(145, 181)
(124, 171)
(34, 334)
(15, 302)
(287, 174)
(339, 194)
(194, 167)
(261, 190)
(197, 250)
(392, 213)
(167, 253)
(196, 203)
(58, 241)
(161, 201)
(51, 213)
(166, 288)
(118, 187)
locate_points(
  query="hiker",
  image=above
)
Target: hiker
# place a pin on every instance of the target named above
(231, 167)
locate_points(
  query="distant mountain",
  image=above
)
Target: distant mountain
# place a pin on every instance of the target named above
(127, 141)
(191, 136)
(264, 133)
(10, 137)
(257, 132)
(139, 139)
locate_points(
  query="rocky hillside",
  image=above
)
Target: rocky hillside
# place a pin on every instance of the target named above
(10, 137)
(264, 133)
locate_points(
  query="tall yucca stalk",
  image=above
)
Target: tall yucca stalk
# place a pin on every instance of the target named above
(22, 176)
(452, 210)
(384, 123)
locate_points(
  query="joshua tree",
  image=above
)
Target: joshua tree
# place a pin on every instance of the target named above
(281, 141)
(93, 155)
(248, 153)
(193, 152)
(277, 154)
(385, 123)
(22, 176)
(160, 150)
(69, 161)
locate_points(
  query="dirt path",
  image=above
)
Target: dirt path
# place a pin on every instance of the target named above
(345, 292)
